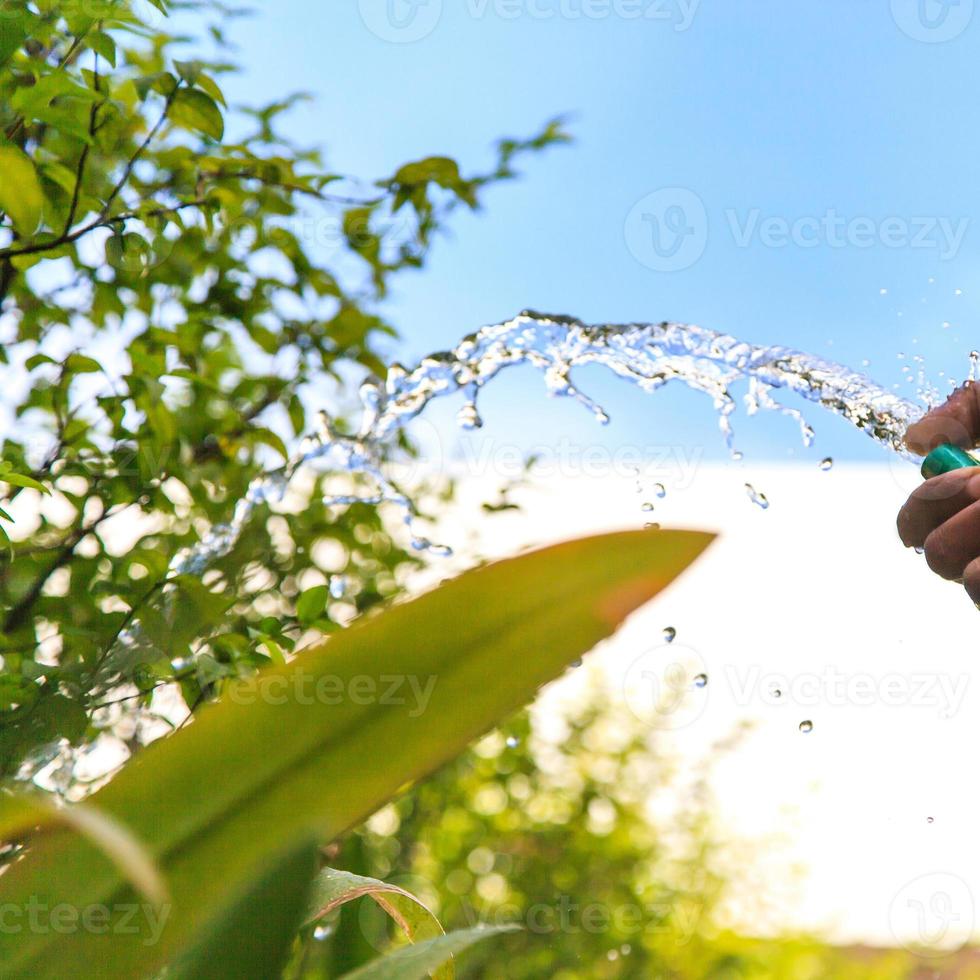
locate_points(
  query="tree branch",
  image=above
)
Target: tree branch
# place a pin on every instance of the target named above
(102, 220)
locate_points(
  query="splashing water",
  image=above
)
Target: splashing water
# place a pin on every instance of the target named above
(757, 497)
(648, 354)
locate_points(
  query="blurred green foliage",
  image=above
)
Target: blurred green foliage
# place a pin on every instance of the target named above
(178, 298)
(554, 832)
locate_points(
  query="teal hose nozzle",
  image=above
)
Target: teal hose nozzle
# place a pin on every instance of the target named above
(944, 459)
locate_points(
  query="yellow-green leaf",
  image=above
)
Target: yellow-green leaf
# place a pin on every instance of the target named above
(418, 962)
(311, 748)
(20, 190)
(333, 888)
(196, 111)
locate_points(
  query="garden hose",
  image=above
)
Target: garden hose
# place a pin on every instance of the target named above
(946, 458)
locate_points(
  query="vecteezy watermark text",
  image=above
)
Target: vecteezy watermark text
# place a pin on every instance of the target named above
(301, 687)
(834, 230)
(407, 21)
(669, 230)
(837, 688)
(65, 919)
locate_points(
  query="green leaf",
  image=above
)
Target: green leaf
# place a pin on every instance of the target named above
(12, 36)
(103, 44)
(20, 190)
(310, 605)
(19, 480)
(417, 962)
(188, 70)
(209, 85)
(80, 364)
(194, 110)
(333, 888)
(251, 940)
(313, 747)
(128, 252)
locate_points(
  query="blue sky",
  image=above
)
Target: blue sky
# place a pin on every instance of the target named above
(832, 145)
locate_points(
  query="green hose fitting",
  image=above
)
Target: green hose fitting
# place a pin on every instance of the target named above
(945, 458)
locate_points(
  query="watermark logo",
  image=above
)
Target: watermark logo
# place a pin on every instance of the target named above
(831, 229)
(400, 21)
(411, 692)
(679, 14)
(933, 915)
(932, 21)
(666, 687)
(667, 231)
(944, 693)
(38, 918)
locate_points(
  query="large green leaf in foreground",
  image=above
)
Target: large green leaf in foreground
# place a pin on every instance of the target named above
(311, 748)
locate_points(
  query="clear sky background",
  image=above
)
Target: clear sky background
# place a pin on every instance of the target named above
(860, 113)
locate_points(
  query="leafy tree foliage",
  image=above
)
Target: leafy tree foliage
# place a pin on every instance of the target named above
(177, 327)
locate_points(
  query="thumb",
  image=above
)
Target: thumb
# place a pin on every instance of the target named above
(956, 422)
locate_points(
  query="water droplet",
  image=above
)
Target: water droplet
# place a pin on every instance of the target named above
(759, 499)
(866, 363)
(958, 292)
(651, 526)
(806, 727)
(669, 634)
(737, 455)
(929, 819)
(322, 932)
(827, 464)
(513, 741)
(338, 586)
(660, 490)
(468, 417)
(776, 692)
(882, 292)
(701, 680)
(576, 663)
(626, 949)
(920, 551)
(647, 507)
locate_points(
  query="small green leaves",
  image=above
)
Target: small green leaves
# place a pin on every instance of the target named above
(81, 364)
(194, 110)
(311, 604)
(7, 475)
(20, 190)
(128, 252)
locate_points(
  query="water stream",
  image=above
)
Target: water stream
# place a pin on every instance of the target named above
(648, 354)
